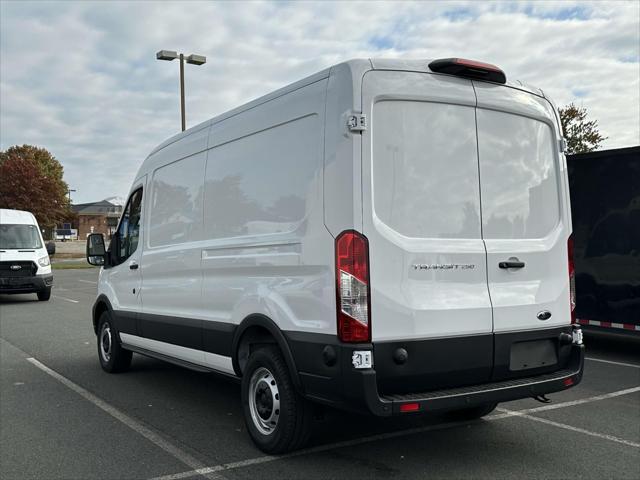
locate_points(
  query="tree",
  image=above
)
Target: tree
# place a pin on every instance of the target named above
(582, 135)
(31, 179)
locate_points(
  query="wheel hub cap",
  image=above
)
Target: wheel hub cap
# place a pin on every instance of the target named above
(105, 343)
(264, 401)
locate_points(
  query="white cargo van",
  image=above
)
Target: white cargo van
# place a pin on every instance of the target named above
(24, 258)
(385, 236)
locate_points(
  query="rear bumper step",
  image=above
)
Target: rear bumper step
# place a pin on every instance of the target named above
(465, 397)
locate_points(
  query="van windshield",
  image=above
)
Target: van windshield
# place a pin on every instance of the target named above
(13, 236)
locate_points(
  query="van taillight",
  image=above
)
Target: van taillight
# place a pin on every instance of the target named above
(352, 287)
(572, 279)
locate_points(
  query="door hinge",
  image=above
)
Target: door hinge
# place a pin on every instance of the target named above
(357, 122)
(562, 144)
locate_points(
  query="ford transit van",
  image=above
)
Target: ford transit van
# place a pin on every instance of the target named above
(385, 236)
(24, 258)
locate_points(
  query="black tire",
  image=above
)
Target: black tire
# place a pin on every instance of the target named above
(292, 426)
(44, 295)
(113, 358)
(472, 413)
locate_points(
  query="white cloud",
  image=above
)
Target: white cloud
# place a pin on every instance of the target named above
(80, 78)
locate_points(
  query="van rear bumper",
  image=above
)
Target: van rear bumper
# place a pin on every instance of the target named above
(465, 397)
(346, 387)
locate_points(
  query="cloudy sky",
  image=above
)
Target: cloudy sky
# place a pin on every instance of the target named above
(81, 79)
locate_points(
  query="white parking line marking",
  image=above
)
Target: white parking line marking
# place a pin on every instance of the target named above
(555, 406)
(65, 299)
(306, 451)
(150, 435)
(574, 429)
(88, 281)
(384, 436)
(622, 364)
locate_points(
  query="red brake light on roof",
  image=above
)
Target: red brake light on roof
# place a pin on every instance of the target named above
(352, 287)
(572, 279)
(469, 68)
(476, 64)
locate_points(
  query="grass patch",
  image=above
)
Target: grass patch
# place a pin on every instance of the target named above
(71, 265)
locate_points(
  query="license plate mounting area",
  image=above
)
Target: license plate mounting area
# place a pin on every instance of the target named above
(533, 354)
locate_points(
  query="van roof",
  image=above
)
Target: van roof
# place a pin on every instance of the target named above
(17, 217)
(254, 103)
(354, 65)
(423, 66)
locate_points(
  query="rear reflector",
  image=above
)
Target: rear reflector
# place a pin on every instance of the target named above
(568, 382)
(468, 68)
(409, 407)
(352, 287)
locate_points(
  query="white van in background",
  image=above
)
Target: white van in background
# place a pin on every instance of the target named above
(385, 236)
(24, 259)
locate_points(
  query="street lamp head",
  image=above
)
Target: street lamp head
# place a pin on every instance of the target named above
(166, 55)
(196, 59)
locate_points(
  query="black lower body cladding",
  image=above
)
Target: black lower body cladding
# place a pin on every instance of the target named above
(443, 373)
(440, 373)
(213, 337)
(439, 363)
(433, 363)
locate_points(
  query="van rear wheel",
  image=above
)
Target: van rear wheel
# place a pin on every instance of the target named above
(277, 417)
(113, 358)
(472, 413)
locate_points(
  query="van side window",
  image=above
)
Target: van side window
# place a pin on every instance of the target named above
(175, 202)
(129, 229)
(263, 183)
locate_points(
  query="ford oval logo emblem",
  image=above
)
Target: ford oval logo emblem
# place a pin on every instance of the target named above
(15, 267)
(544, 315)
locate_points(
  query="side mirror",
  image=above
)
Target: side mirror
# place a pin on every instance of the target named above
(96, 251)
(51, 248)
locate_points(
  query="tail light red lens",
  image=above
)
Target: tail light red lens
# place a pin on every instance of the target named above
(352, 287)
(572, 279)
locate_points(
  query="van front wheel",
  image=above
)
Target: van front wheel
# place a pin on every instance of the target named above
(113, 358)
(44, 295)
(277, 417)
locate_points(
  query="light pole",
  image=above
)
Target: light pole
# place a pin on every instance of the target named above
(193, 60)
(69, 193)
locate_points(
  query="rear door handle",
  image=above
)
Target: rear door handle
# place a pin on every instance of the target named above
(511, 264)
(133, 265)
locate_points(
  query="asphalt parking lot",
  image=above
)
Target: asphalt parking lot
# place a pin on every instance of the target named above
(62, 417)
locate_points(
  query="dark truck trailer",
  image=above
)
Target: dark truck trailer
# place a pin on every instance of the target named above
(605, 206)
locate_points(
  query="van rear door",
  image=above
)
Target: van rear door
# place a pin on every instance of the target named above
(525, 222)
(421, 215)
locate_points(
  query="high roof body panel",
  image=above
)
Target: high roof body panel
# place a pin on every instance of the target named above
(355, 68)
(20, 217)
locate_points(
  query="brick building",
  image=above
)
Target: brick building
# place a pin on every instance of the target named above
(96, 217)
